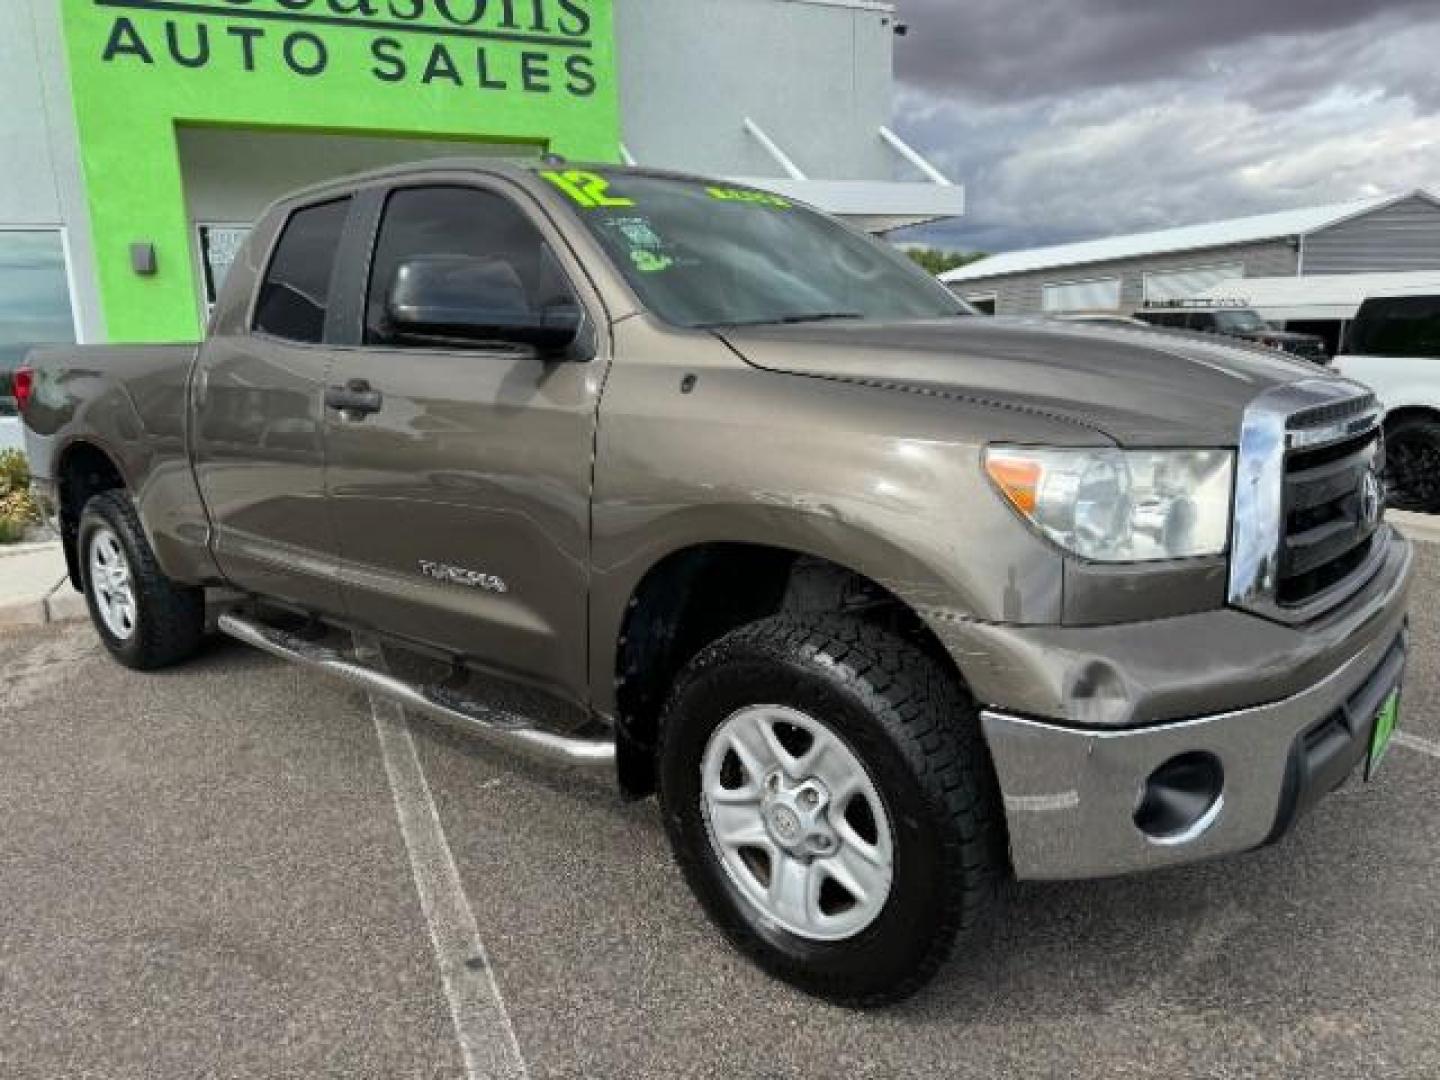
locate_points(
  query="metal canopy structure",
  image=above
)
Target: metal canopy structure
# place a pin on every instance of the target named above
(878, 206)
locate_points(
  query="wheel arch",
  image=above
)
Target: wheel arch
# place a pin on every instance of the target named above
(695, 594)
(83, 469)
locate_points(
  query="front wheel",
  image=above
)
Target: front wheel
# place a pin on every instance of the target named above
(145, 620)
(829, 797)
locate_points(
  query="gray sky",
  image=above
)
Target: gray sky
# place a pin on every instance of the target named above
(1069, 119)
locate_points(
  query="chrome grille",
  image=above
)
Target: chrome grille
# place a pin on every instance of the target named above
(1333, 503)
(1309, 505)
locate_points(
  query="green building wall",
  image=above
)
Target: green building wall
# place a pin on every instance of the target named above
(534, 73)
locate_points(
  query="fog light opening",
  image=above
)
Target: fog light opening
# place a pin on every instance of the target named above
(1181, 799)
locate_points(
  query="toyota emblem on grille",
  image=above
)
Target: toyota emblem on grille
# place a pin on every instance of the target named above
(1372, 499)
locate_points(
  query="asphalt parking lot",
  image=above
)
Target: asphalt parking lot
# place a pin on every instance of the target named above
(204, 873)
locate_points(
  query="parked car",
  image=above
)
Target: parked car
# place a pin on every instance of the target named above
(888, 602)
(1394, 347)
(1236, 322)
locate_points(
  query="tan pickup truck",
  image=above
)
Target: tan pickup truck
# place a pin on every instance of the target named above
(889, 603)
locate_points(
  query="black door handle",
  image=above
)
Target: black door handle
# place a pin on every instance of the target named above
(355, 398)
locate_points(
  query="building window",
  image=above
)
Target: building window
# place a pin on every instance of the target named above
(34, 299)
(1098, 294)
(984, 303)
(1163, 286)
(219, 247)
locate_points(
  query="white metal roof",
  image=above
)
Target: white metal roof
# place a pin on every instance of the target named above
(1320, 296)
(1209, 235)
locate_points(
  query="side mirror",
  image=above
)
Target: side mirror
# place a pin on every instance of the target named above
(468, 301)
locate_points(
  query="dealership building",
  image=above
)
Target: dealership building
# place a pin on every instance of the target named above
(1384, 235)
(141, 137)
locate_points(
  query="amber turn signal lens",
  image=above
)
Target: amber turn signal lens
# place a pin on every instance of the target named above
(1019, 481)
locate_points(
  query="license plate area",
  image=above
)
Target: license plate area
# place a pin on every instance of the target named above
(1382, 732)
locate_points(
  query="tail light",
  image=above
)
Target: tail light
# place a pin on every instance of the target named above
(23, 386)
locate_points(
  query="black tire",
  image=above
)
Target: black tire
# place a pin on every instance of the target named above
(169, 620)
(917, 734)
(1412, 471)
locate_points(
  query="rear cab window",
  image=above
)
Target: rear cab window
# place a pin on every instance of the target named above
(295, 293)
(1398, 326)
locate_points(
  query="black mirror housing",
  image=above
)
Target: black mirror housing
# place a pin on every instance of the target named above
(468, 301)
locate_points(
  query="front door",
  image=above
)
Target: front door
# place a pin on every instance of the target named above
(461, 491)
(259, 443)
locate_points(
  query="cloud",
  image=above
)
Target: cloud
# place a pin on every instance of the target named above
(1008, 50)
(1071, 119)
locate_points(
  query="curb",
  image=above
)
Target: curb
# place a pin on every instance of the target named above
(61, 604)
(27, 548)
(38, 590)
(1422, 527)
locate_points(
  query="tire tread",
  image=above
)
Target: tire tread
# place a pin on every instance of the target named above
(934, 723)
(171, 615)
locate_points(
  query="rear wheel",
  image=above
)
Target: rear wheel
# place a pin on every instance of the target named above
(830, 800)
(145, 620)
(1412, 464)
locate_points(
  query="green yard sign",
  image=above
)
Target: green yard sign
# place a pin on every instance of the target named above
(531, 72)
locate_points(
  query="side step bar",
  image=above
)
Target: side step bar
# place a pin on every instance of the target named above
(590, 753)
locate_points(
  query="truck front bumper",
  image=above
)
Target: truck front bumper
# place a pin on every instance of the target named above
(1079, 794)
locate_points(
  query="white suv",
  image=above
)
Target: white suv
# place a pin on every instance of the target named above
(1394, 347)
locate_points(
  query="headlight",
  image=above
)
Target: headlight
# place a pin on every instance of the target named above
(1120, 505)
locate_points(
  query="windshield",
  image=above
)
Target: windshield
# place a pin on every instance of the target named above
(1398, 326)
(1246, 322)
(704, 254)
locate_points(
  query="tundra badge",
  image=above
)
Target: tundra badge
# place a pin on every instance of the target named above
(458, 575)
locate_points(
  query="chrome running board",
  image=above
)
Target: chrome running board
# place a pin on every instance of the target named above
(592, 753)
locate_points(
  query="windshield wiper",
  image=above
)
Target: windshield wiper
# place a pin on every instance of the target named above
(787, 320)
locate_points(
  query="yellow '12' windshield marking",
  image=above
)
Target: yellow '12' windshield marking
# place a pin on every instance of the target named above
(587, 189)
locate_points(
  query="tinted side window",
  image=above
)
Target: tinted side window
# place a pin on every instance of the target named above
(1163, 318)
(471, 224)
(296, 291)
(1399, 326)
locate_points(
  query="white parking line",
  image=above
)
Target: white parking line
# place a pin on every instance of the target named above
(482, 1026)
(1414, 742)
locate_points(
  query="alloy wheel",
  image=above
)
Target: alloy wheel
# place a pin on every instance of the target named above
(797, 822)
(111, 584)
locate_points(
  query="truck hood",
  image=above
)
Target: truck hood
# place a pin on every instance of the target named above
(1138, 386)
(1281, 336)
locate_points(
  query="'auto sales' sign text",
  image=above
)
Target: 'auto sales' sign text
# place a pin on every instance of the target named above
(526, 46)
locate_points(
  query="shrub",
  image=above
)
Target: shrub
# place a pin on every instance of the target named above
(17, 508)
(14, 472)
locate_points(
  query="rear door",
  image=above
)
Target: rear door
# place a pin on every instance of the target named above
(462, 498)
(258, 397)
